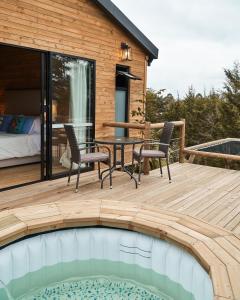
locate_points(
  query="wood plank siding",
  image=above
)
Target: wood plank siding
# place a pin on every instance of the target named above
(80, 28)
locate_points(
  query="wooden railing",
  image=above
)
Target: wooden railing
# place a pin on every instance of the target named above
(195, 151)
(146, 129)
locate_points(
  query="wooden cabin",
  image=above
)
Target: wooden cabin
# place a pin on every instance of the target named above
(81, 62)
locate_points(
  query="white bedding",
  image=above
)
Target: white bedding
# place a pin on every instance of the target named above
(19, 145)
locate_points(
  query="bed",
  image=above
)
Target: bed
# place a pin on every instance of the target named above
(17, 149)
(24, 146)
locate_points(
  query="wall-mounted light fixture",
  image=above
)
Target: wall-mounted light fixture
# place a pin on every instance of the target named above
(126, 51)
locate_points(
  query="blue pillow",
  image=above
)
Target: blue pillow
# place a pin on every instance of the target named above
(28, 123)
(6, 122)
(16, 125)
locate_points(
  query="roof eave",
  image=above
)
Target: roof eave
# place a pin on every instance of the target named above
(114, 12)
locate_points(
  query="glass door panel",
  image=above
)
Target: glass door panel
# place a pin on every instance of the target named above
(120, 111)
(72, 103)
(121, 99)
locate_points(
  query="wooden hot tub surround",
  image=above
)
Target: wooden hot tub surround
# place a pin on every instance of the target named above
(217, 249)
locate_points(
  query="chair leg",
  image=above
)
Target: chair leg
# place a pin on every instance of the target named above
(70, 173)
(99, 171)
(169, 175)
(160, 166)
(78, 175)
(139, 171)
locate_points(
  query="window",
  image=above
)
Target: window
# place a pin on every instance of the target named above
(121, 100)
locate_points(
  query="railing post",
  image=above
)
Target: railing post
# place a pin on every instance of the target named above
(147, 136)
(182, 135)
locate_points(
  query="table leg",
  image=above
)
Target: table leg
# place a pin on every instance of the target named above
(114, 167)
(110, 171)
(122, 156)
(114, 163)
(115, 155)
(124, 169)
(104, 171)
(132, 177)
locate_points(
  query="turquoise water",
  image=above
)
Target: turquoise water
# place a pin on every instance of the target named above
(102, 288)
(94, 279)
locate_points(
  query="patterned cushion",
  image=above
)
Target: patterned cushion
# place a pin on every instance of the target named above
(93, 157)
(6, 120)
(149, 153)
(16, 125)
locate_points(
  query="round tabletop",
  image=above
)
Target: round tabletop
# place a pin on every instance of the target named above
(119, 140)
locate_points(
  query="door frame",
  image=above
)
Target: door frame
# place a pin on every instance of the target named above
(46, 113)
(49, 135)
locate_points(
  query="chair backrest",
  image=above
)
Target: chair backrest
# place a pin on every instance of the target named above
(72, 139)
(166, 136)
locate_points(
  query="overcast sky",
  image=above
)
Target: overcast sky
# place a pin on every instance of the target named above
(196, 40)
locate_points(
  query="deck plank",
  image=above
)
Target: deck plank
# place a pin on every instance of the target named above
(200, 210)
(206, 193)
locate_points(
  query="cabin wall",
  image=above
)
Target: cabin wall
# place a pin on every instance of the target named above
(76, 27)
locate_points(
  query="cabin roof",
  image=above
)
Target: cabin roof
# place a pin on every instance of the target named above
(115, 13)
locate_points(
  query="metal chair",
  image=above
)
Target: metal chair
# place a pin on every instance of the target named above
(161, 153)
(89, 157)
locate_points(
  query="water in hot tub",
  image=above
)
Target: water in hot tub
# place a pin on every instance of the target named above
(95, 283)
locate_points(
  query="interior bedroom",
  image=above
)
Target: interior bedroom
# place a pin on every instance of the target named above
(20, 125)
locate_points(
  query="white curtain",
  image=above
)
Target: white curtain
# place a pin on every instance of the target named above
(78, 103)
(78, 74)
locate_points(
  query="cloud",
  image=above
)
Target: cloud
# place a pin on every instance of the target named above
(196, 40)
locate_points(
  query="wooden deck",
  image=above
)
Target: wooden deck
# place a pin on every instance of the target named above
(210, 194)
(22, 174)
(200, 210)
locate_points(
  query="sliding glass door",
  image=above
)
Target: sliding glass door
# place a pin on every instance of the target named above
(39, 93)
(72, 102)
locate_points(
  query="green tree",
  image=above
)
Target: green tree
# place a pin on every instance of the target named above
(232, 85)
(211, 116)
(231, 102)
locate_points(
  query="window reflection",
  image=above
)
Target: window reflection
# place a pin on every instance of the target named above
(71, 104)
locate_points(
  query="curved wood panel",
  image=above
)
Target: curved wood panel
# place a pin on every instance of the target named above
(216, 249)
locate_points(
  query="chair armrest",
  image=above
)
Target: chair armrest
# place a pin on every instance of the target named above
(163, 144)
(95, 147)
(105, 147)
(86, 148)
(87, 143)
(152, 143)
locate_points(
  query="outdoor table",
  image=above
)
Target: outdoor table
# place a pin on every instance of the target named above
(119, 144)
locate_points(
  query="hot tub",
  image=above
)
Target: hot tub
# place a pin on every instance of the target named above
(229, 147)
(225, 149)
(100, 263)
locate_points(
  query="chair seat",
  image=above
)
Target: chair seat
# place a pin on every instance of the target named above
(94, 157)
(149, 153)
